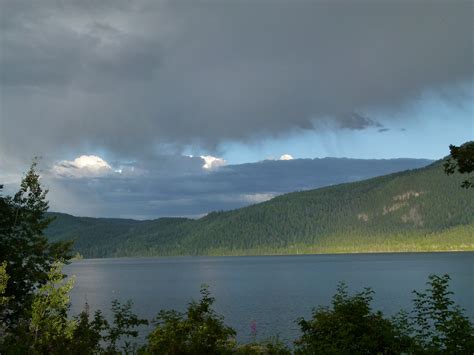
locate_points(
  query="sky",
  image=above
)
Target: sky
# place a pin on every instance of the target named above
(138, 90)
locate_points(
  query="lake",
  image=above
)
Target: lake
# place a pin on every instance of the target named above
(272, 290)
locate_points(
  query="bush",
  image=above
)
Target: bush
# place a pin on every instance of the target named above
(272, 346)
(198, 331)
(349, 327)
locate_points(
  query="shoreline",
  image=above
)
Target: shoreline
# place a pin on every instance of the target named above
(282, 254)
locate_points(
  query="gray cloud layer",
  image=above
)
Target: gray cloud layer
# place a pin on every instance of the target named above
(131, 76)
(183, 188)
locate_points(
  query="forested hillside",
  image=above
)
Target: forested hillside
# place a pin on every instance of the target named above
(415, 210)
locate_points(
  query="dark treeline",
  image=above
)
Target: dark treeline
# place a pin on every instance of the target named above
(416, 210)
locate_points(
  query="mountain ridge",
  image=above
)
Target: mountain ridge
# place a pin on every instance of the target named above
(192, 194)
(414, 210)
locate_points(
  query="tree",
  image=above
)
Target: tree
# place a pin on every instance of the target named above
(49, 330)
(88, 335)
(50, 327)
(438, 325)
(125, 322)
(461, 160)
(27, 252)
(349, 327)
(199, 331)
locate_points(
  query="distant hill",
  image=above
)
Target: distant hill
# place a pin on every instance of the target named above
(414, 210)
(285, 176)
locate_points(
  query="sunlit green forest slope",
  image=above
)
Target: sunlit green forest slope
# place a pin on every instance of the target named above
(415, 210)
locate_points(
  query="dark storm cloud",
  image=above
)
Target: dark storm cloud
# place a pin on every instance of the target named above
(357, 122)
(128, 77)
(153, 193)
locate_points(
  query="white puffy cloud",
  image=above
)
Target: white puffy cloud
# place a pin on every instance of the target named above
(286, 157)
(83, 166)
(211, 162)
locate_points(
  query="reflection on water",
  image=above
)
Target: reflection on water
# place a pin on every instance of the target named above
(273, 291)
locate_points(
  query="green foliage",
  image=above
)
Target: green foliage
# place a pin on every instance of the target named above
(88, 336)
(24, 247)
(438, 325)
(3, 300)
(349, 327)
(50, 331)
(125, 322)
(199, 331)
(3, 283)
(417, 210)
(272, 346)
(461, 159)
(435, 326)
(49, 324)
(98, 336)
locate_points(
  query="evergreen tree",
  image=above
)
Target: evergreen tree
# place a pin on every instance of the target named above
(23, 246)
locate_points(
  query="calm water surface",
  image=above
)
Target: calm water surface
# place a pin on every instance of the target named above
(272, 290)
